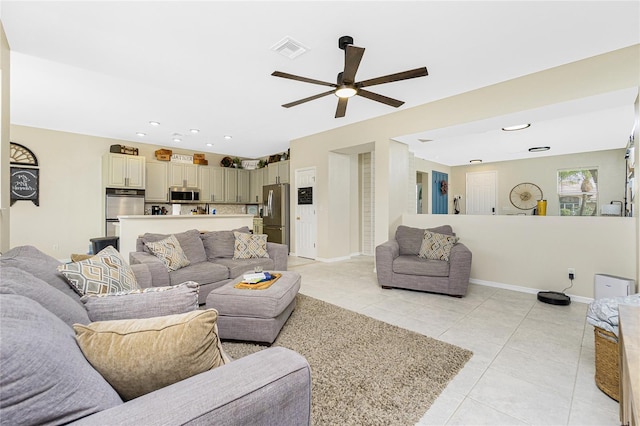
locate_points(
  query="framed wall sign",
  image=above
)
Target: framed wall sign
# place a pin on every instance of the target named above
(25, 185)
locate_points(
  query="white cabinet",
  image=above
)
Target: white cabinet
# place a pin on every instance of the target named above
(256, 181)
(243, 186)
(123, 171)
(183, 175)
(211, 184)
(157, 189)
(236, 185)
(278, 172)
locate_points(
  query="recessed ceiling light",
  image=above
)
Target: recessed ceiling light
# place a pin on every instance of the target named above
(209, 144)
(177, 140)
(195, 130)
(141, 134)
(539, 148)
(228, 136)
(517, 127)
(475, 161)
(154, 123)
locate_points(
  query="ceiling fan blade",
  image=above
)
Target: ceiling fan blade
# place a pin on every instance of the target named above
(352, 58)
(310, 98)
(304, 79)
(418, 72)
(380, 98)
(341, 110)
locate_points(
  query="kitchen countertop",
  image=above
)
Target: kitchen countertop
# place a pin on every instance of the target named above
(184, 216)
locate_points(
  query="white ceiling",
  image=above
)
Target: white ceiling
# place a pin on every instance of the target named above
(108, 68)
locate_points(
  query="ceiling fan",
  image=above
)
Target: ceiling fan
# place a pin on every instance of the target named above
(346, 86)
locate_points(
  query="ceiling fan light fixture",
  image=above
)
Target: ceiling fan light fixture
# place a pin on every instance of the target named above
(539, 148)
(516, 127)
(346, 91)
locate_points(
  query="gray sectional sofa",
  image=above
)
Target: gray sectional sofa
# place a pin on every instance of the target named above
(398, 264)
(46, 378)
(211, 259)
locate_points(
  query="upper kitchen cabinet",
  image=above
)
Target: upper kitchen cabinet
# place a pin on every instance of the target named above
(256, 181)
(157, 188)
(278, 172)
(123, 171)
(243, 186)
(211, 183)
(236, 184)
(183, 175)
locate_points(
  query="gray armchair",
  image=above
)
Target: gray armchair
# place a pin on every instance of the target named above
(398, 264)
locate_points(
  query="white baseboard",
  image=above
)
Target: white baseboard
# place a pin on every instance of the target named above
(580, 299)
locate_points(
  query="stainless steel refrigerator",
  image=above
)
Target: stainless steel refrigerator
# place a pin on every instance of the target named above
(121, 202)
(275, 213)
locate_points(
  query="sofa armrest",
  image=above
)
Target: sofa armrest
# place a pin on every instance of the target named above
(159, 273)
(143, 275)
(270, 387)
(459, 269)
(280, 255)
(385, 254)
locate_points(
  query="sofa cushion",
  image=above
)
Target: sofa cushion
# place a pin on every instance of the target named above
(17, 281)
(106, 272)
(189, 241)
(41, 265)
(140, 356)
(410, 239)
(45, 378)
(413, 265)
(169, 252)
(202, 273)
(221, 244)
(238, 267)
(143, 303)
(250, 246)
(436, 246)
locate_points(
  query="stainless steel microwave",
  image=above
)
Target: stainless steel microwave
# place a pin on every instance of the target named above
(184, 195)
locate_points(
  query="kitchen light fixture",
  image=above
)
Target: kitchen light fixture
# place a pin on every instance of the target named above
(209, 144)
(177, 140)
(346, 91)
(195, 130)
(228, 137)
(141, 134)
(154, 123)
(475, 161)
(539, 148)
(517, 127)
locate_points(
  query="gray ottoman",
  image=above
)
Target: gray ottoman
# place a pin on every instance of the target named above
(254, 315)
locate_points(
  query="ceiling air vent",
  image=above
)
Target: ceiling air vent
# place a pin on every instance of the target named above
(289, 47)
(425, 140)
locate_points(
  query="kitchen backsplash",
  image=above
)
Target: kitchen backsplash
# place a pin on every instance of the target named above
(186, 209)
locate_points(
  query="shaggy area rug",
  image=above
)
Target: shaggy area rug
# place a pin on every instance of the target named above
(364, 371)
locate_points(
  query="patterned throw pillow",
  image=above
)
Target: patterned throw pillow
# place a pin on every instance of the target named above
(106, 272)
(250, 246)
(169, 252)
(436, 246)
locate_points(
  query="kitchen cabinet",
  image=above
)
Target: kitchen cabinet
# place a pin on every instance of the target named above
(256, 181)
(183, 175)
(236, 184)
(278, 172)
(243, 186)
(211, 184)
(157, 188)
(123, 171)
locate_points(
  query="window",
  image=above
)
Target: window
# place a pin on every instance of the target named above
(578, 192)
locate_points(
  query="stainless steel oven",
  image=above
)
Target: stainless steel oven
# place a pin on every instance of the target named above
(121, 202)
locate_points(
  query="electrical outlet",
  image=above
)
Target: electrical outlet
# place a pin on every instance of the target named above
(572, 273)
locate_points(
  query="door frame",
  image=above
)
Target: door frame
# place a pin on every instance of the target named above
(313, 254)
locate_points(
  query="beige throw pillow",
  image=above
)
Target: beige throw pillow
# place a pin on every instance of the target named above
(436, 246)
(250, 246)
(169, 252)
(139, 356)
(104, 273)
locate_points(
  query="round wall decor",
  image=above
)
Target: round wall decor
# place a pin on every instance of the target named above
(525, 196)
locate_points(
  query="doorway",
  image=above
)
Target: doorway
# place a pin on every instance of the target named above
(305, 213)
(439, 193)
(481, 192)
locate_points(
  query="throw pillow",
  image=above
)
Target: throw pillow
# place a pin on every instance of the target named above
(142, 355)
(190, 242)
(221, 244)
(436, 246)
(143, 303)
(169, 252)
(45, 378)
(106, 272)
(250, 246)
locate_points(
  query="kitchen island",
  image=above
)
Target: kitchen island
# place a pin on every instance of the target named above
(131, 227)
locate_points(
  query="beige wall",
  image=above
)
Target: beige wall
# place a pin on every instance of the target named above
(429, 167)
(535, 252)
(544, 173)
(5, 218)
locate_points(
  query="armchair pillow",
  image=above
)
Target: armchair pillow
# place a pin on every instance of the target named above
(169, 252)
(410, 239)
(106, 272)
(143, 303)
(436, 246)
(141, 355)
(250, 246)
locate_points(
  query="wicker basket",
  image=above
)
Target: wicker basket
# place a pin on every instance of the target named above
(607, 362)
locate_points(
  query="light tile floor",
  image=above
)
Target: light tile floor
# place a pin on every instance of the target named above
(533, 363)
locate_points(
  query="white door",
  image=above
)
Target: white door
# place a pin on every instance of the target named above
(481, 193)
(305, 214)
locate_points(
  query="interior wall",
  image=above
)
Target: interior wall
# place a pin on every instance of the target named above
(5, 199)
(544, 173)
(428, 167)
(535, 252)
(339, 206)
(355, 218)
